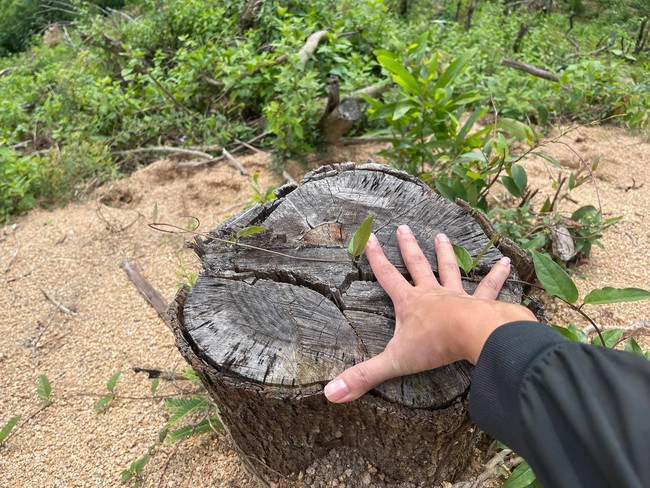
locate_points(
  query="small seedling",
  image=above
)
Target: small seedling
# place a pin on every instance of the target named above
(360, 238)
(6, 430)
(105, 400)
(463, 258)
(258, 195)
(247, 231)
(44, 390)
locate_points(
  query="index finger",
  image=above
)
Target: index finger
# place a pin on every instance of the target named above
(387, 275)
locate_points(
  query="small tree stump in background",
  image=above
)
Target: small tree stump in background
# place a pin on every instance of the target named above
(266, 332)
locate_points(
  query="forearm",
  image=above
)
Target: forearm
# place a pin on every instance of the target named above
(578, 414)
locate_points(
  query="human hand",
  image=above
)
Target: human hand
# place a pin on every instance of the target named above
(436, 323)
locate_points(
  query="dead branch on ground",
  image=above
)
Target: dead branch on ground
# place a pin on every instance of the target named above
(57, 304)
(150, 294)
(530, 69)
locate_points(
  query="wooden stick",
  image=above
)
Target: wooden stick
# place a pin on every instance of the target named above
(196, 164)
(153, 297)
(233, 162)
(530, 69)
(57, 304)
(167, 149)
(288, 177)
(310, 45)
(158, 373)
(6, 71)
(249, 146)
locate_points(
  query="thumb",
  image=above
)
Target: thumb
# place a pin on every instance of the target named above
(357, 380)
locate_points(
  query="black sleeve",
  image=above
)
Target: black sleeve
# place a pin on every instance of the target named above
(579, 414)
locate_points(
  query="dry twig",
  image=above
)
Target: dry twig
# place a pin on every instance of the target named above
(153, 297)
(57, 304)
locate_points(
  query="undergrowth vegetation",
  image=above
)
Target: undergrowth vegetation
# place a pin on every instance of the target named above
(204, 73)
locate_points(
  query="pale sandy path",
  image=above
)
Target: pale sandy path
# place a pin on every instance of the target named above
(74, 254)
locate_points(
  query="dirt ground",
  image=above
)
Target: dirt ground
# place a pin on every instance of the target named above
(73, 255)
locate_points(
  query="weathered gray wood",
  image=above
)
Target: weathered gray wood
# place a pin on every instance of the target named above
(340, 120)
(268, 328)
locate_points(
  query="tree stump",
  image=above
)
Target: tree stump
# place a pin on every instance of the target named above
(265, 332)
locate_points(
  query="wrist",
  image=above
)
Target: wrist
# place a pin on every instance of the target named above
(474, 334)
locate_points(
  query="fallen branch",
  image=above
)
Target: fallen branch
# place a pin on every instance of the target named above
(530, 69)
(310, 45)
(153, 297)
(165, 149)
(57, 304)
(233, 162)
(288, 177)
(6, 71)
(249, 146)
(44, 327)
(158, 373)
(196, 164)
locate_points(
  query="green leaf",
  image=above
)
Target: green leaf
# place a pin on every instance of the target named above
(546, 207)
(463, 258)
(511, 186)
(6, 430)
(191, 375)
(519, 176)
(632, 346)
(203, 427)
(249, 231)
(453, 70)
(126, 475)
(553, 278)
(611, 337)
(516, 129)
(44, 389)
(112, 381)
(521, 477)
(401, 108)
(471, 157)
(360, 238)
(582, 212)
(400, 74)
(154, 385)
(182, 407)
(616, 295)
(103, 402)
(549, 158)
(572, 333)
(138, 465)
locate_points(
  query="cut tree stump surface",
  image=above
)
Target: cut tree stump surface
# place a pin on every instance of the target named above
(282, 327)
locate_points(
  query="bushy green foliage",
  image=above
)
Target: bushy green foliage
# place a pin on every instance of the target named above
(189, 73)
(17, 180)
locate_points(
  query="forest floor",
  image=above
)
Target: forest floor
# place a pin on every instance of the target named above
(73, 255)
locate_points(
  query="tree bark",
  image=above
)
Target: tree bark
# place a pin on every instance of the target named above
(265, 332)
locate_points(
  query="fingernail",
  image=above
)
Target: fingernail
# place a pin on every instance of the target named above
(404, 229)
(336, 389)
(372, 240)
(442, 238)
(505, 260)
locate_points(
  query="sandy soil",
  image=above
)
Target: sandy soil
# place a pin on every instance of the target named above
(73, 254)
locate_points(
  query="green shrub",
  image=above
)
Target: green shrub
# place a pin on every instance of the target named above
(18, 177)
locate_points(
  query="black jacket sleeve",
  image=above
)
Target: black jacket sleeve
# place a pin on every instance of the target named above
(579, 414)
